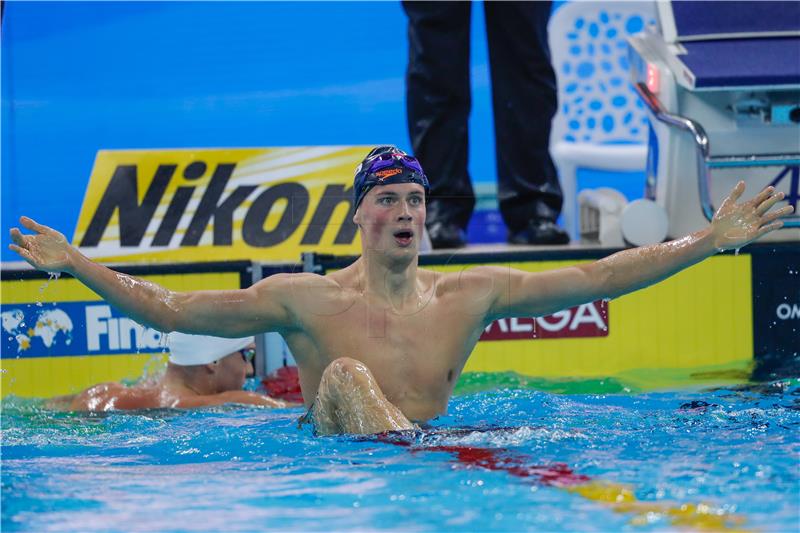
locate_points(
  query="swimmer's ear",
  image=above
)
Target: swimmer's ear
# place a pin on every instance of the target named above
(356, 218)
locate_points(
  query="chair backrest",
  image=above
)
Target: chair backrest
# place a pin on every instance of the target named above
(590, 56)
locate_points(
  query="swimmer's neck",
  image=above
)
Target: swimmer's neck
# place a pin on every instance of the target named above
(187, 380)
(388, 278)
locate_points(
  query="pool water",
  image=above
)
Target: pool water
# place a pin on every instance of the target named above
(502, 459)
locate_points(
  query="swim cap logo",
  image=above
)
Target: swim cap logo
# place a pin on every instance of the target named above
(388, 173)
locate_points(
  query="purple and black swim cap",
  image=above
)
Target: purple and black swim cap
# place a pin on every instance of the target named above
(385, 165)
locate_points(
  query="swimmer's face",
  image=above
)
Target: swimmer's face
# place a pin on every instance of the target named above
(233, 370)
(391, 218)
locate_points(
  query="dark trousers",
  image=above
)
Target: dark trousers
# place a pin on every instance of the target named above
(523, 98)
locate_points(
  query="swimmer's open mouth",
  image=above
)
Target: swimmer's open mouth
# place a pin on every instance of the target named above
(404, 237)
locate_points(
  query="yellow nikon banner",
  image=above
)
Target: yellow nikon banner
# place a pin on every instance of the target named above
(261, 204)
(59, 337)
(701, 318)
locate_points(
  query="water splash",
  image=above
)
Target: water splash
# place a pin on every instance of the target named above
(163, 342)
(53, 276)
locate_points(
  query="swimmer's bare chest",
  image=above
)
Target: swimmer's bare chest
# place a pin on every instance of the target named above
(415, 355)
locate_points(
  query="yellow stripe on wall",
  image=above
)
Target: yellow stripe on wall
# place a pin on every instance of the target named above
(44, 377)
(700, 318)
(71, 290)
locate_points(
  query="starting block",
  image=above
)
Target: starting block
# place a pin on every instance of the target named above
(721, 82)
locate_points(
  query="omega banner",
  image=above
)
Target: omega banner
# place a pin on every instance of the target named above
(263, 204)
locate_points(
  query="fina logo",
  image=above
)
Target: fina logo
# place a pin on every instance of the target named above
(117, 331)
(53, 327)
(57, 329)
(786, 311)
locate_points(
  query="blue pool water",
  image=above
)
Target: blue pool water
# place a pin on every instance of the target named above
(514, 465)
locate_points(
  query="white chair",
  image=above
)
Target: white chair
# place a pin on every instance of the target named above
(601, 123)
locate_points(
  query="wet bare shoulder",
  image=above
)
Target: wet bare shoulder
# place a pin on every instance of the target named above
(471, 281)
(308, 292)
(111, 396)
(473, 288)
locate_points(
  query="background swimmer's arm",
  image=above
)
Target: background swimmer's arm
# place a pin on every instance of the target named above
(734, 225)
(60, 403)
(234, 396)
(223, 313)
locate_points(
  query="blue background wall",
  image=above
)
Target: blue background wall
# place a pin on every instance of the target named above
(78, 77)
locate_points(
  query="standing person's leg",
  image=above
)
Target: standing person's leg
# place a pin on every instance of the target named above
(349, 400)
(438, 105)
(524, 98)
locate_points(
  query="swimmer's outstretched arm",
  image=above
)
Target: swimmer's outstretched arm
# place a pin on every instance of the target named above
(733, 226)
(232, 313)
(234, 396)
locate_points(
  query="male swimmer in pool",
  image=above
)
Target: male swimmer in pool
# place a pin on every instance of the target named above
(381, 343)
(201, 371)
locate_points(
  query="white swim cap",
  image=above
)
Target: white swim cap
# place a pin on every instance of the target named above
(188, 350)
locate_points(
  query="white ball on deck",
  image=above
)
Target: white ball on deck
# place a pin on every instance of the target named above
(644, 222)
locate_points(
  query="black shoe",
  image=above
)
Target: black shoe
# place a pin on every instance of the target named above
(446, 236)
(539, 232)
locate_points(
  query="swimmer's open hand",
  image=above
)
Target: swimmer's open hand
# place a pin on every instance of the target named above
(735, 225)
(46, 249)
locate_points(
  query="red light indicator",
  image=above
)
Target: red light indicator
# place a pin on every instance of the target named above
(653, 78)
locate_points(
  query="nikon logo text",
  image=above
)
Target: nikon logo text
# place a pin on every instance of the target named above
(216, 207)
